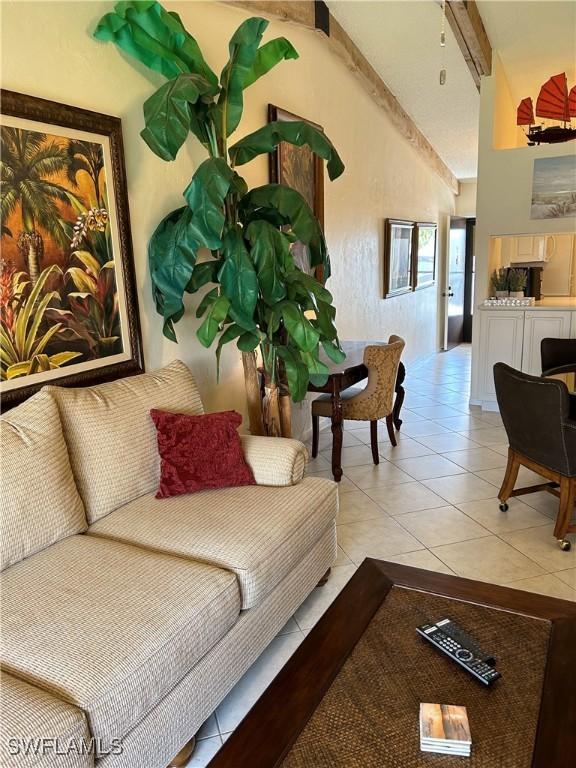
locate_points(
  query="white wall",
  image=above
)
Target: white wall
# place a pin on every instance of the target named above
(47, 51)
(505, 184)
(466, 200)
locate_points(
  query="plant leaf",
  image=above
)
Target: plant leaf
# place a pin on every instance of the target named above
(171, 258)
(309, 284)
(243, 49)
(209, 298)
(267, 56)
(203, 273)
(60, 358)
(82, 280)
(297, 132)
(287, 206)
(205, 196)
(303, 333)
(211, 325)
(296, 372)
(248, 342)
(270, 252)
(237, 276)
(90, 262)
(167, 113)
(231, 333)
(156, 37)
(333, 351)
(21, 323)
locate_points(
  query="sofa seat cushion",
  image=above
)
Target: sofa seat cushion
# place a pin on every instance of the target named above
(109, 627)
(111, 436)
(29, 714)
(260, 533)
(40, 502)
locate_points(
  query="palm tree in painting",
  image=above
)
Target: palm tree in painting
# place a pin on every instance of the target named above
(86, 156)
(28, 160)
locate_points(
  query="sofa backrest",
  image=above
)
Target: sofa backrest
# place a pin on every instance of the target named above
(39, 501)
(111, 437)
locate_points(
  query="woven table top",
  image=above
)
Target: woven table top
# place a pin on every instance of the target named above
(369, 716)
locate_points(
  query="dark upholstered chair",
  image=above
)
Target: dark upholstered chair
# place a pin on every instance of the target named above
(542, 437)
(558, 356)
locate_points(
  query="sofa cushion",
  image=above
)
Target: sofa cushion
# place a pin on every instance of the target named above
(257, 532)
(199, 452)
(111, 437)
(40, 502)
(109, 627)
(30, 714)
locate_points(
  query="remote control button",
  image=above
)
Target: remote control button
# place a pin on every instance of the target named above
(464, 654)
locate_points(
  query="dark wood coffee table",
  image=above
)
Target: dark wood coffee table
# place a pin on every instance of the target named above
(349, 696)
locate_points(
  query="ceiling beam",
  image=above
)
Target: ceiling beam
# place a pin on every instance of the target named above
(315, 16)
(466, 24)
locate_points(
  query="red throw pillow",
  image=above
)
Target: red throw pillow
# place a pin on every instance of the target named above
(199, 452)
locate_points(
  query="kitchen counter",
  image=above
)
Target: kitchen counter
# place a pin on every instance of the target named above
(552, 302)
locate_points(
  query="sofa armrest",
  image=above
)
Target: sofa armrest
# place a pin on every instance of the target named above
(275, 460)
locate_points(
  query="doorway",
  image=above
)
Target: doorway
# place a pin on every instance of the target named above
(458, 295)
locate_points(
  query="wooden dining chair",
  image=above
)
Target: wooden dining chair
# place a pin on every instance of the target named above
(374, 402)
(541, 437)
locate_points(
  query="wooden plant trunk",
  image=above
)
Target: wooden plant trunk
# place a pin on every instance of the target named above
(270, 408)
(253, 397)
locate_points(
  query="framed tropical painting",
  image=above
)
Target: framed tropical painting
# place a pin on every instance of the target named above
(398, 255)
(302, 170)
(424, 254)
(69, 313)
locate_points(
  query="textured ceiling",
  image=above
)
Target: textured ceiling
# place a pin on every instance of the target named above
(401, 40)
(534, 41)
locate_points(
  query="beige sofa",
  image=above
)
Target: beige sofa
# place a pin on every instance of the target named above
(126, 619)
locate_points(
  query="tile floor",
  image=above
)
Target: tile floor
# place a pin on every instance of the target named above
(430, 503)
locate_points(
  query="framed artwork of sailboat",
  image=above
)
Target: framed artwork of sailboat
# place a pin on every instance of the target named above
(554, 103)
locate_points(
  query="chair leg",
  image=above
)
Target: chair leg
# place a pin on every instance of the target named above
(566, 509)
(390, 426)
(182, 758)
(315, 435)
(374, 441)
(509, 479)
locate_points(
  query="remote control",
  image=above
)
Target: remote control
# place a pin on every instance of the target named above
(449, 638)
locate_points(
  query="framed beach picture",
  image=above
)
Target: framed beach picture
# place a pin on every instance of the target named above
(554, 188)
(424, 247)
(69, 313)
(398, 254)
(302, 170)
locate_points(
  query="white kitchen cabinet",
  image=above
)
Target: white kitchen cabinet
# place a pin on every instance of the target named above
(529, 248)
(538, 326)
(502, 337)
(513, 337)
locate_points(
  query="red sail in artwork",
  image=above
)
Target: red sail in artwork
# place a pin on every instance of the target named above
(572, 102)
(525, 113)
(553, 99)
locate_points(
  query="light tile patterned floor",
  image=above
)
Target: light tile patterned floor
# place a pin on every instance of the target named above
(430, 503)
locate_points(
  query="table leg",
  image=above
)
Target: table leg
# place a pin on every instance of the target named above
(336, 433)
(399, 395)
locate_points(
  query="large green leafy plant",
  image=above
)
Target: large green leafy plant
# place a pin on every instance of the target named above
(261, 299)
